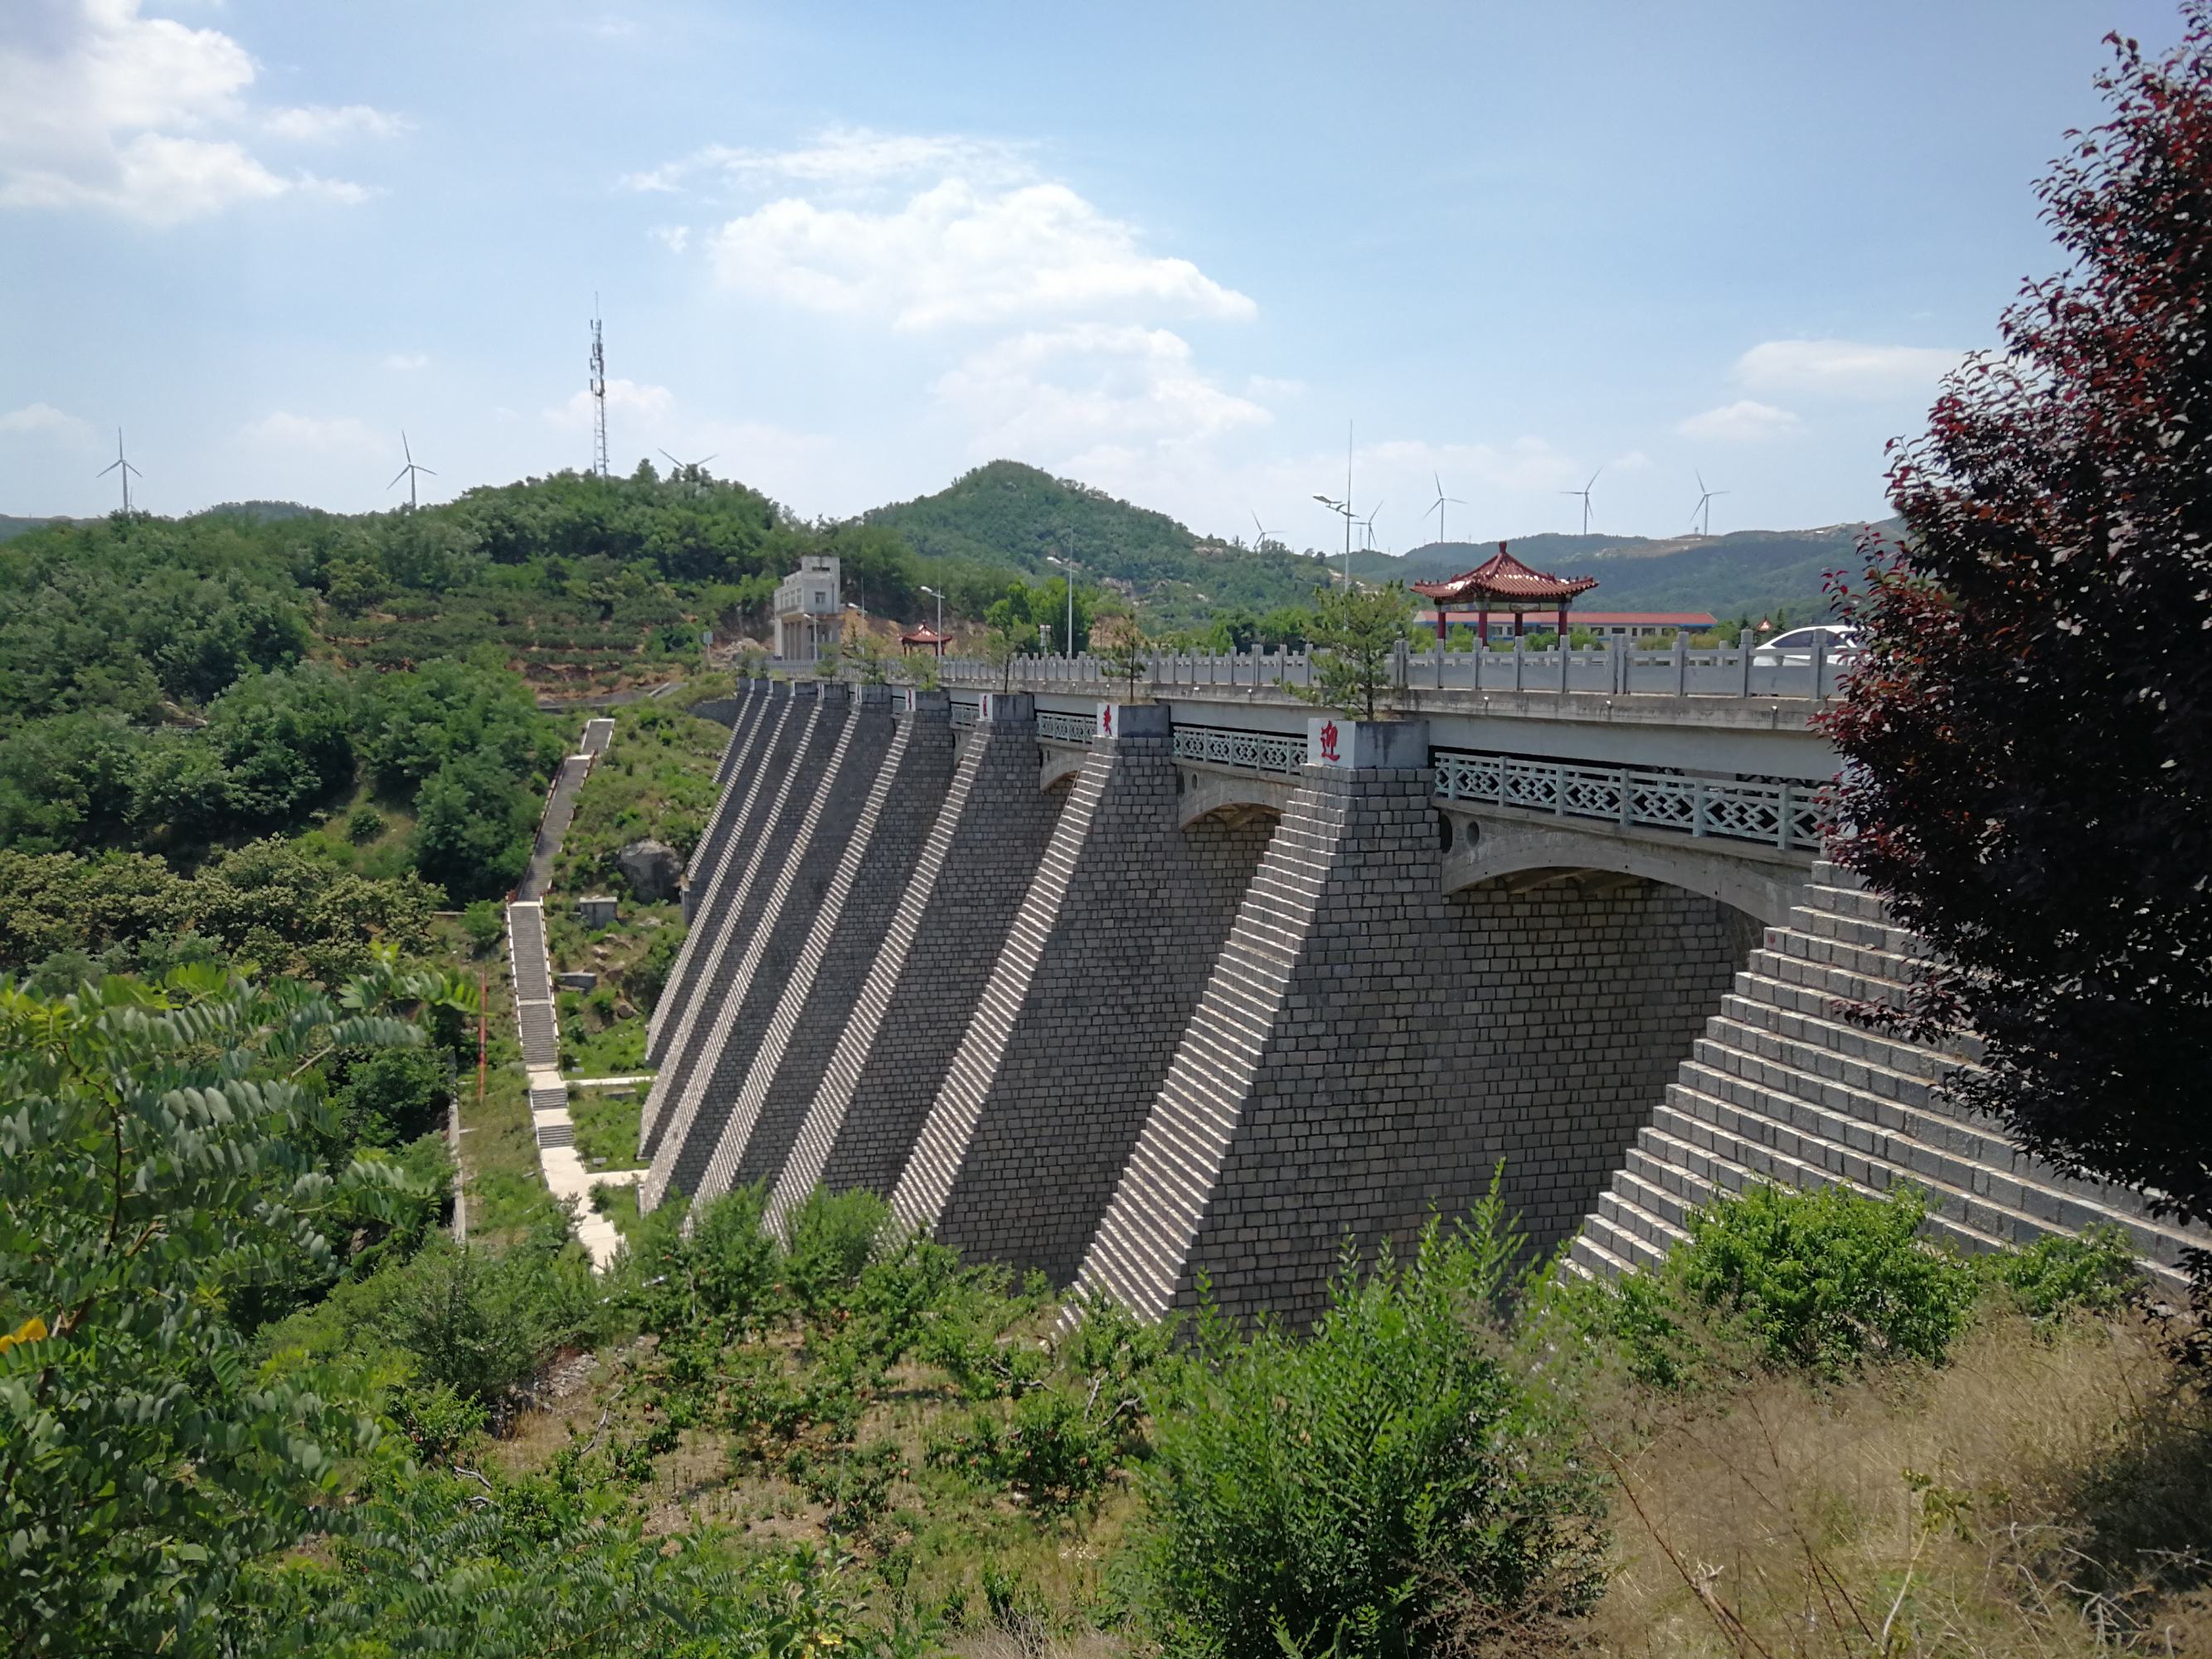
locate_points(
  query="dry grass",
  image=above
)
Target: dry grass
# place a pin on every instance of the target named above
(2035, 1497)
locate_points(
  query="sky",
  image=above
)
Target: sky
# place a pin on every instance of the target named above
(1172, 251)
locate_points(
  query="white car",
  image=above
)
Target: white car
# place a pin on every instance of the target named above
(1795, 648)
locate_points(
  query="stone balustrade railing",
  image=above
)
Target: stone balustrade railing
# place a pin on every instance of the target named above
(1781, 814)
(1614, 669)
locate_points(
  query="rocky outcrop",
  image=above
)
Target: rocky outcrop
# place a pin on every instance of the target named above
(652, 868)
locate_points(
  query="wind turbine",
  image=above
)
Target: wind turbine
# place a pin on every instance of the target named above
(1261, 533)
(1436, 506)
(1367, 528)
(1704, 501)
(689, 471)
(126, 467)
(1585, 492)
(409, 472)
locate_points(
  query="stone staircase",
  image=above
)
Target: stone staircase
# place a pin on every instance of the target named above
(1781, 1089)
(918, 1200)
(537, 1028)
(1144, 1239)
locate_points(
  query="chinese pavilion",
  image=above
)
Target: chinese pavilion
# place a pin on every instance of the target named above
(1503, 583)
(923, 637)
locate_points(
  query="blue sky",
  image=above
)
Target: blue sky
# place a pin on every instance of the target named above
(853, 250)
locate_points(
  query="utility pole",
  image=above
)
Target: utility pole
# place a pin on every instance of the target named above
(598, 393)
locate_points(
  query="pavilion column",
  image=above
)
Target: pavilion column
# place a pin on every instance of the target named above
(1441, 624)
(1520, 620)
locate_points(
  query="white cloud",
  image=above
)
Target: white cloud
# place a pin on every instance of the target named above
(101, 107)
(1843, 368)
(674, 238)
(1742, 421)
(1048, 391)
(953, 253)
(406, 362)
(44, 418)
(326, 124)
(653, 403)
(846, 158)
(338, 435)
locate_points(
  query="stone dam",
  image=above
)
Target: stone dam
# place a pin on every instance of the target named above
(1136, 993)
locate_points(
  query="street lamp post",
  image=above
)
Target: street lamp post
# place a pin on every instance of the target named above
(1068, 565)
(940, 597)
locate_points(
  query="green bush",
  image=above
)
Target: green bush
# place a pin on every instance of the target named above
(479, 1323)
(363, 824)
(1823, 1280)
(397, 1095)
(724, 1270)
(485, 923)
(832, 1236)
(2096, 1272)
(1384, 1486)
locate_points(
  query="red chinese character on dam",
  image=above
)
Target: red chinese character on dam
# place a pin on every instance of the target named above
(1329, 741)
(1106, 718)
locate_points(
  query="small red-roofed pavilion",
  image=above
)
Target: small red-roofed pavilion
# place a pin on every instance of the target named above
(923, 637)
(1503, 583)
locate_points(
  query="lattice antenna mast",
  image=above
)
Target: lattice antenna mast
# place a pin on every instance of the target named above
(598, 393)
(119, 465)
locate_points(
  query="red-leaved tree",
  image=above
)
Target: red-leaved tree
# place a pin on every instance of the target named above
(2029, 733)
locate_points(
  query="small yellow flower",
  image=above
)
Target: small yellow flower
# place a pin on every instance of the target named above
(32, 1330)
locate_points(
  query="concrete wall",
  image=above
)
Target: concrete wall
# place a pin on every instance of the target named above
(1113, 946)
(1367, 1049)
(745, 713)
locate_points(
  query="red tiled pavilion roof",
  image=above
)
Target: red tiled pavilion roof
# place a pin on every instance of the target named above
(1503, 577)
(923, 633)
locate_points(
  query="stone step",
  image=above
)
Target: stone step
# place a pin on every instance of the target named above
(1887, 966)
(556, 1134)
(1993, 1194)
(1844, 901)
(1873, 933)
(1604, 1250)
(1792, 1012)
(1817, 1064)
(1828, 873)
(1827, 980)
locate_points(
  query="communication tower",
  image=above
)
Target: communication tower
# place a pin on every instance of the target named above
(598, 393)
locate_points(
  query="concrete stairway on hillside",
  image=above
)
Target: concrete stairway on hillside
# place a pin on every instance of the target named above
(1782, 1089)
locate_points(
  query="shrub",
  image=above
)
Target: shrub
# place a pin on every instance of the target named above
(831, 1237)
(724, 1270)
(1825, 1280)
(1348, 1488)
(363, 824)
(479, 1323)
(2094, 1273)
(485, 923)
(396, 1095)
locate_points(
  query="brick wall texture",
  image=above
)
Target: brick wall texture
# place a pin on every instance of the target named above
(1366, 1049)
(1101, 971)
(999, 827)
(790, 757)
(803, 842)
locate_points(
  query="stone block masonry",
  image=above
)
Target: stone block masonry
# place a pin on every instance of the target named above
(975, 870)
(725, 913)
(1105, 961)
(822, 984)
(812, 837)
(1366, 1050)
(736, 776)
(751, 905)
(1779, 1088)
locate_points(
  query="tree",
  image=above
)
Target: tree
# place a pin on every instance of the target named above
(1129, 654)
(2028, 730)
(473, 828)
(1358, 632)
(155, 1160)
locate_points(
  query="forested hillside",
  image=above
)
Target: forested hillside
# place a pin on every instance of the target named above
(1748, 573)
(1011, 516)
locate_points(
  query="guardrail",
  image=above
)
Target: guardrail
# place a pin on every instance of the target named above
(1053, 727)
(965, 713)
(1250, 751)
(1785, 815)
(1615, 669)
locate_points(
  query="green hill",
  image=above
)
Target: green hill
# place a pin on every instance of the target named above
(1009, 516)
(1749, 573)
